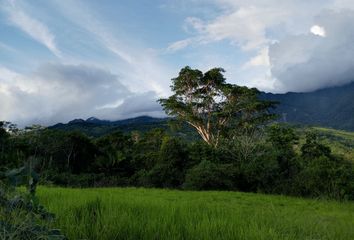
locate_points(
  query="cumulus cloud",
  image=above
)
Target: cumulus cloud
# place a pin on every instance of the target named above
(57, 92)
(308, 62)
(247, 24)
(296, 45)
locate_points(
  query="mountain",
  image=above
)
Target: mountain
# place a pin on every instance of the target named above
(96, 127)
(330, 107)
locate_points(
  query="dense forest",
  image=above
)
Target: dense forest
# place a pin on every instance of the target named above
(268, 163)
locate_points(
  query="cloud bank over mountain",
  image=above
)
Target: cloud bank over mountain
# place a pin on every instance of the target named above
(65, 59)
(325, 58)
(57, 92)
(298, 45)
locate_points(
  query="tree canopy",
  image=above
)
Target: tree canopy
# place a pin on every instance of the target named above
(212, 106)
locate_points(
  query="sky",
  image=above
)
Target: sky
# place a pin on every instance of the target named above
(112, 59)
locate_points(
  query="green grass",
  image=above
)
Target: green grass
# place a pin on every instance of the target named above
(130, 213)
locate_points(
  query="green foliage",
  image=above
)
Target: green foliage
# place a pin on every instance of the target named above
(210, 176)
(212, 106)
(324, 174)
(341, 142)
(21, 215)
(170, 169)
(282, 136)
(251, 159)
(146, 149)
(114, 154)
(283, 140)
(327, 177)
(313, 149)
(200, 151)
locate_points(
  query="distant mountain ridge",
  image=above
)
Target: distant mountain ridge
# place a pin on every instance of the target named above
(330, 107)
(93, 120)
(96, 127)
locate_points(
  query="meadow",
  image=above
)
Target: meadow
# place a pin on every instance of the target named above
(138, 213)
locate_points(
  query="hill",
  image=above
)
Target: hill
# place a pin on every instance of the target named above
(330, 107)
(340, 142)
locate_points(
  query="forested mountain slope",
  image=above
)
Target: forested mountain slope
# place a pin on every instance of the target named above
(330, 107)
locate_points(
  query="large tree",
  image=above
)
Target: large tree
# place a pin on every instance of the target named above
(212, 106)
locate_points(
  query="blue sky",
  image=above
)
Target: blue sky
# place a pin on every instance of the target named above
(65, 59)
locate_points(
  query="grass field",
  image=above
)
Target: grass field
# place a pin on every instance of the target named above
(130, 213)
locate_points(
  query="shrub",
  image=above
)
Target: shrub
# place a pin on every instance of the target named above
(210, 176)
(199, 151)
(323, 174)
(329, 177)
(169, 171)
(258, 174)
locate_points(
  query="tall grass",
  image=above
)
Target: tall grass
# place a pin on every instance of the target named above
(129, 213)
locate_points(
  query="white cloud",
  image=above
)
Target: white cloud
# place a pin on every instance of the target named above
(262, 59)
(308, 62)
(59, 93)
(287, 56)
(178, 45)
(195, 23)
(31, 26)
(318, 30)
(138, 67)
(133, 106)
(247, 24)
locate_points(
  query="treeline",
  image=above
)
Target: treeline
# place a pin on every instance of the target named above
(269, 161)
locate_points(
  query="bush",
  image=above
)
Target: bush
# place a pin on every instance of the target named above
(210, 176)
(258, 174)
(329, 177)
(199, 151)
(169, 172)
(323, 174)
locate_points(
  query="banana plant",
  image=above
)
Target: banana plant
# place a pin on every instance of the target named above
(21, 214)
